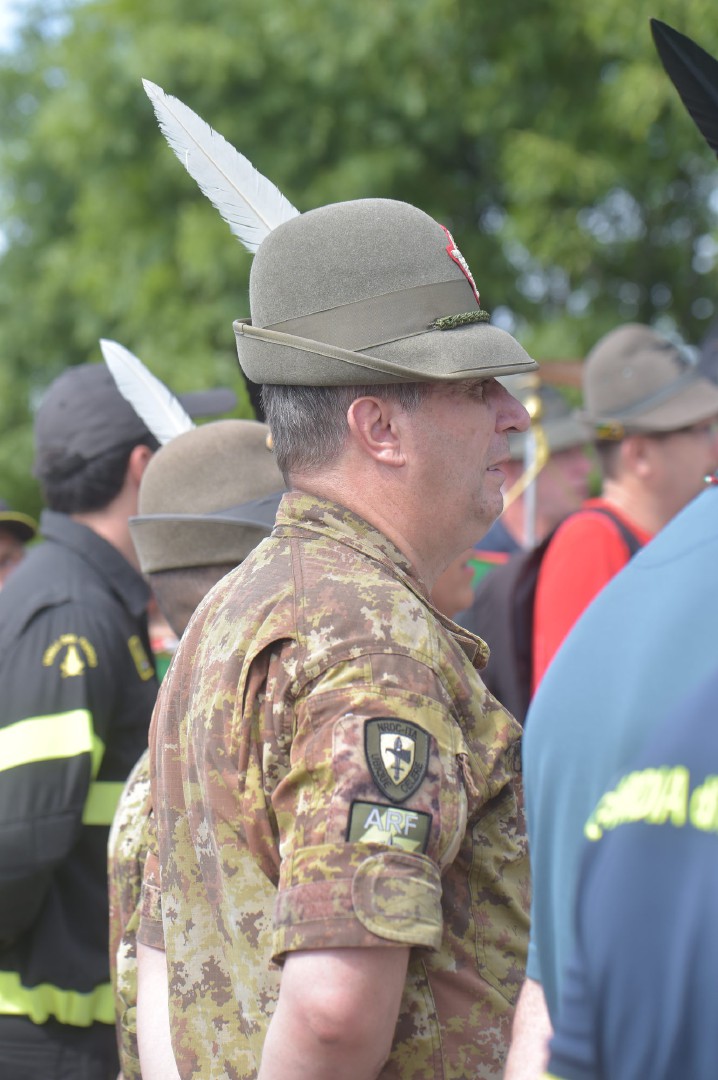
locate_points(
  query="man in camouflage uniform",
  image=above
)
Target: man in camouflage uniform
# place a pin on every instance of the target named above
(344, 876)
(197, 520)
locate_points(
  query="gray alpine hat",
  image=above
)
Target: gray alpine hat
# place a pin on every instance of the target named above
(561, 423)
(637, 381)
(372, 291)
(207, 497)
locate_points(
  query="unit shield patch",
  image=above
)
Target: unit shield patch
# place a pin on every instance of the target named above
(397, 753)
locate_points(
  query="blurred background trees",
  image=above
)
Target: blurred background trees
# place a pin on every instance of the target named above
(545, 135)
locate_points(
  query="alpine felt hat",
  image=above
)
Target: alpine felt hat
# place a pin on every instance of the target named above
(371, 291)
(559, 420)
(207, 497)
(637, 381)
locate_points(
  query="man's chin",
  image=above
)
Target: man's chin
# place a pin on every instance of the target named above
(491, 513)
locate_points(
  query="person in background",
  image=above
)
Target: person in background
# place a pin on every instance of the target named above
(547, 479)
(16, 530)
(640, 648)
(654, 419)
(640, 658)
(78, 687)
(559, 487)
(636, 997)
(206, 500)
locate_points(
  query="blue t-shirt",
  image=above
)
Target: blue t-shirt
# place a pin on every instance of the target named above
(644, 642)
(638, 999)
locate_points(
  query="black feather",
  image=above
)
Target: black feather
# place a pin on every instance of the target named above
(694, 73)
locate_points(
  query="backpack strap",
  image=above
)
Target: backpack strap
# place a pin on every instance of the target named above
(629, 538)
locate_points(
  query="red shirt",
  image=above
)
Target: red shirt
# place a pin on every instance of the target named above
(585, 553)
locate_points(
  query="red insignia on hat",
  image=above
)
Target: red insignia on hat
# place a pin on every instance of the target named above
(454, 254)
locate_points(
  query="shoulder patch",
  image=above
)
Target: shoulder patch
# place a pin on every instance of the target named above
(76, 654)
(397, 753)
(145, 670)
(375, 823)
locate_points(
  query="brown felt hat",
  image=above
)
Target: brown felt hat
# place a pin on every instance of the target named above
(372, 291)
(635, 380)
(207, 497)
(560, 421)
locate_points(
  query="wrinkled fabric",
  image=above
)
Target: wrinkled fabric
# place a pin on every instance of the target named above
(315, 678)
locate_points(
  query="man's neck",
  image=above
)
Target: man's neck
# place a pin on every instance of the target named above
(395, 526)
(637, 506)
(111, 527)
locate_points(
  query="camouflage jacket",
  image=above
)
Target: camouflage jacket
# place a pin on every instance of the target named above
(127, 852)
(329, 771)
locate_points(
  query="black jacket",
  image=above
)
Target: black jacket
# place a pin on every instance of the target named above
(77, 687)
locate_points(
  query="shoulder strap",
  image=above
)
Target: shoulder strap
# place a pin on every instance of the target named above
(629, 538)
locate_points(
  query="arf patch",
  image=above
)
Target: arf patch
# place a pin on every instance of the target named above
(456, 256)
(397, 753)
(374, 823)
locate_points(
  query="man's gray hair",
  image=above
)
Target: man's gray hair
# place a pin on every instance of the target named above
(309, 423)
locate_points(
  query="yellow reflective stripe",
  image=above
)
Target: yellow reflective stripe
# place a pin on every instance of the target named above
(101, 803)
(45, 1002)
(63, 735)
(48, 738)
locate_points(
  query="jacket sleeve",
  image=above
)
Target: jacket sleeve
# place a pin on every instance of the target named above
(58, 689)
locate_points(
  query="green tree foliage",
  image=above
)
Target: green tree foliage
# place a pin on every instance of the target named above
(545, 135)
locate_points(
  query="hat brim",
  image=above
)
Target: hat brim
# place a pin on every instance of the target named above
(168, 542)
(260, 512)
(696, 402)
(176, 541)
(474, 351)
(22, 525)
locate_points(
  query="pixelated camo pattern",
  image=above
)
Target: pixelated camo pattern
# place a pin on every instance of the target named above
(257, 756)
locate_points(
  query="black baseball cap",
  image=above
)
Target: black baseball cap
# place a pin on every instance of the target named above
(83, 414)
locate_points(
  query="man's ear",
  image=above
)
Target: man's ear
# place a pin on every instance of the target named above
(636, 454)
(376, 429)
(137, 462)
